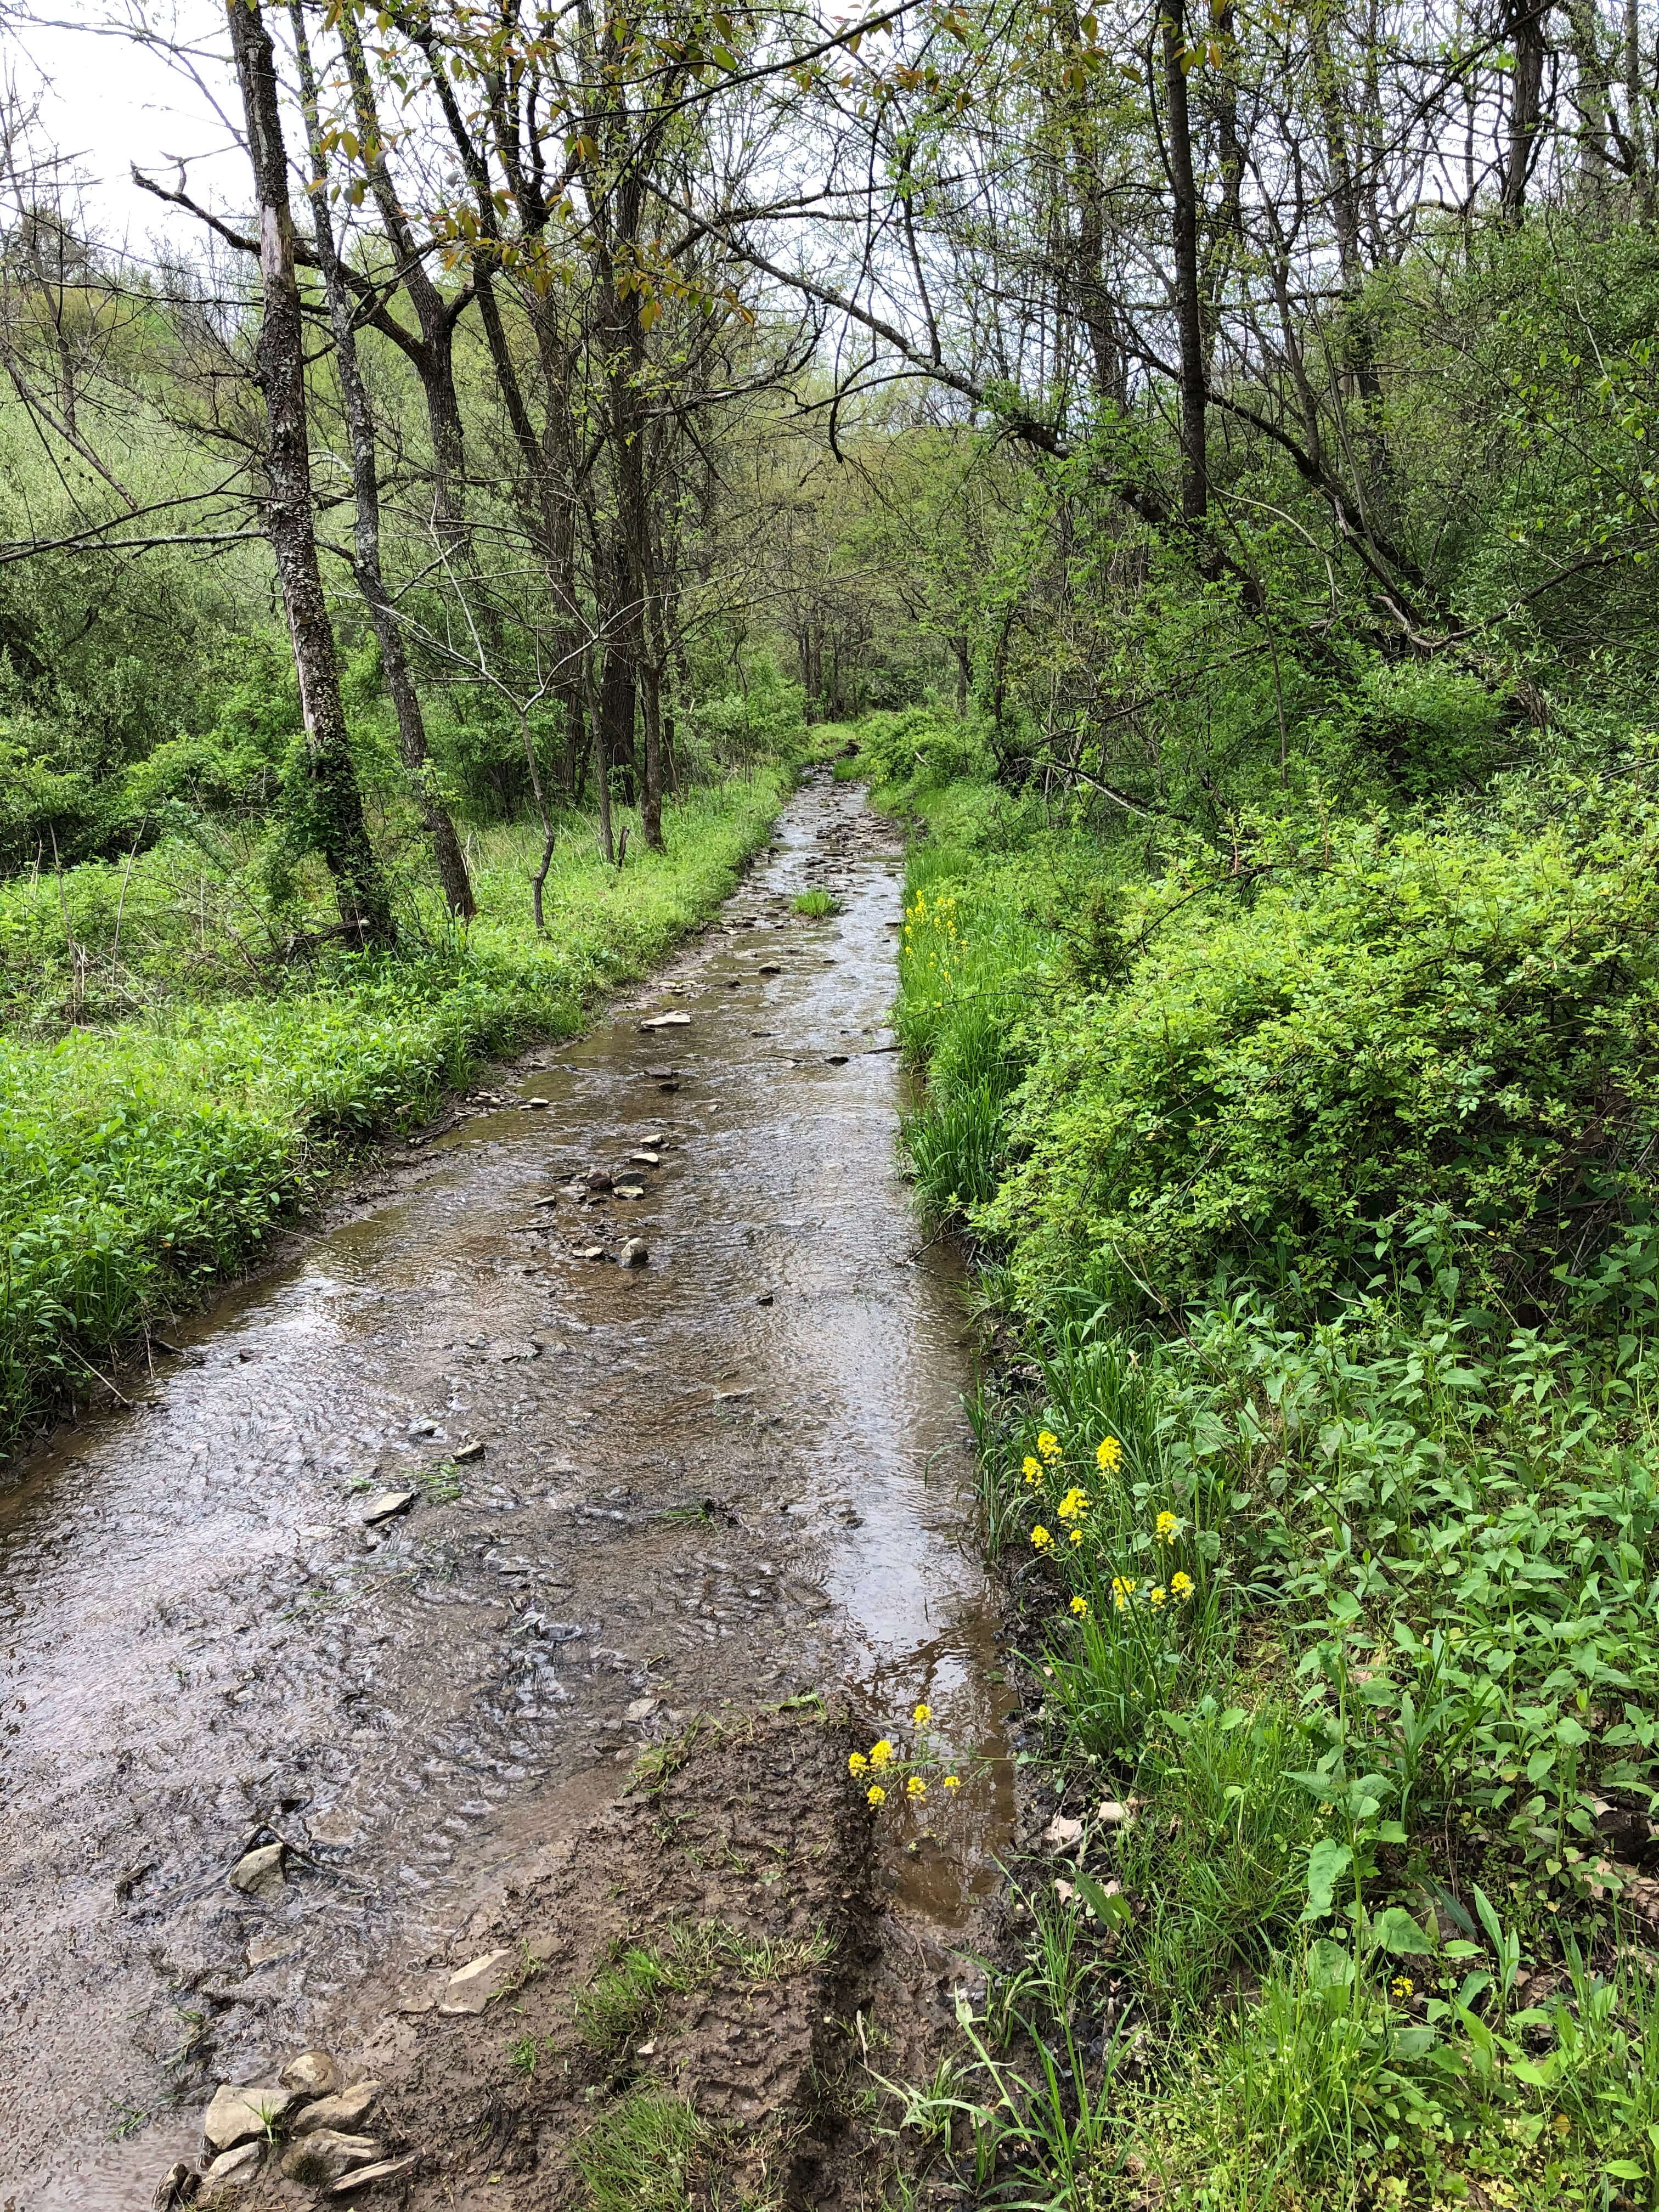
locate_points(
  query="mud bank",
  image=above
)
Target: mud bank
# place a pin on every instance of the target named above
(292, 1603)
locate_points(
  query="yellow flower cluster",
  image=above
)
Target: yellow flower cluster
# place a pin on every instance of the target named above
(1040, 1537)
(883, 1756)
(1048, 1446)
(1168, 1528)
(1109, 1455)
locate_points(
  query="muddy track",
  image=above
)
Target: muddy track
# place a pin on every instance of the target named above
(728, 1475)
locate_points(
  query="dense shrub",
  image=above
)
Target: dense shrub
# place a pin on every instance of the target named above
(1447, 1029)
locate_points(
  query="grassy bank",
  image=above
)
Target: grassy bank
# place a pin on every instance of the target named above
(144, 1154)
(1311, 1192)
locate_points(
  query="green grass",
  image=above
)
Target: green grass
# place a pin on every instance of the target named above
(1357, 1613)
(643, 2155)
(625, 1997)
(815, 903)
(142, 1157)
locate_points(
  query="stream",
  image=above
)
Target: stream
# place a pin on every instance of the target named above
(734, 1473)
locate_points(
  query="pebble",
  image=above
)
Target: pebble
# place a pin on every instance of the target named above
(598, 1179)
(313, 2074)
(640, 1710)
(674, 1021)
(239, 2114)
(635, 1253)
(387, 1503)
(473, 1450)
(259, 1873)
(629, 1191)
(645, 1159)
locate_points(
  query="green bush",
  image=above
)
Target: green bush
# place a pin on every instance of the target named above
(1440, 1039)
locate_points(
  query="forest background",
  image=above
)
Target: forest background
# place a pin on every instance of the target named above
(1196, 461)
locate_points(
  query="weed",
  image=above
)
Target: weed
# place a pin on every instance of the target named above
(817, 902)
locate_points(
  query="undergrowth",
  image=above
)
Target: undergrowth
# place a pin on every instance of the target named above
(143, 1156)
(1311, 1197)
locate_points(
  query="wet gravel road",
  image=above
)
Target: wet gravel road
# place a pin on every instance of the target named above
(734, 1473)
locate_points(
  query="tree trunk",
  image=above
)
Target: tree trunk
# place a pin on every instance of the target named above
(366, 500)
(1195, 467)
(1525, 22)
(337, 805)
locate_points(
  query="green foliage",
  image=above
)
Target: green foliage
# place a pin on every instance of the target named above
(138, 1161)
(1327, 1473)
(641, 2155)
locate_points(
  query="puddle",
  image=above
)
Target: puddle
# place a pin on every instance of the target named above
(737, 1473)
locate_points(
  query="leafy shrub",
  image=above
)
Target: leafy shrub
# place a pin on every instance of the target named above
(1445, 1036)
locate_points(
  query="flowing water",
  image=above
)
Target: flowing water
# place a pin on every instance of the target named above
(734, 1473)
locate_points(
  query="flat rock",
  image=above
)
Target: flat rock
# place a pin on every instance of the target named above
(599, 1179)
(366, 2176)
(266, 1950)
(640, 1710)
(505, 1348)
(386, 1504)
(241, 2114)
(473, 1450)
(674, 1021)
(590, 1252)
(343, 2113)
(259, 1873)
(645, 1159)
(635, 1253)
(326, 2155)
(238, 2165)
(313, 2074)
(471, 1987)
(629, 1191)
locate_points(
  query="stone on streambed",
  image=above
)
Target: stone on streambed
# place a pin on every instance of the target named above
(385, 1505)
(634, 1253)
(629, 1191)
(242, 2113)
(259, 1873)
(326, 2155)
(177, 2186)
(344, 2114)
(313, 2074)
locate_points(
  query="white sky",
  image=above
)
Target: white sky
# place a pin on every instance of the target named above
(109, 101)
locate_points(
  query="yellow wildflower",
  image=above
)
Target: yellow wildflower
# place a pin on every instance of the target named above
(1049, 1444)
(875, 1794)
(1109, 1455)
(857, 1763)
(880, 1752)
(1032, 1469)
(1182, 1586)
(1156, 1596)
(1402, 1985)
(1073, 1505)
(916, 1787)
(1040, 1536)
(922, 1715)
(1079, 1607)
(1122, 1590)
(952, 1782)
(1077, 1535)
(1167, 1528)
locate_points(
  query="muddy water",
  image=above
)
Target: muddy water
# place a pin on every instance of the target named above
(735, 1473)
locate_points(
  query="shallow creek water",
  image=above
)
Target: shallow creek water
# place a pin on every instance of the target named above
(735, 1473)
